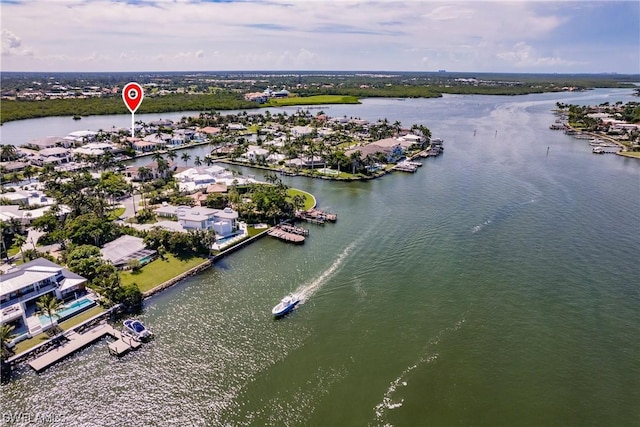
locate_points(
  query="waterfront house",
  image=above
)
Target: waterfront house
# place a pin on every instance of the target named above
(53, 155)
(161, 140)
(146, 146)
(181, 136)
(306, 162)
(209, 130)
(44, 143)
(223, 221)
(79, 137)
(21, 287)
(126, 248)
(412, 140)
(161, 124)
(95, 149)
(255, 153)
(392, 148)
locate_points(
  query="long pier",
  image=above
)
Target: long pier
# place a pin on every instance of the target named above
(76, 341)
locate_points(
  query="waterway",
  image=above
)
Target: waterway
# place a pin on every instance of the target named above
(497, 285)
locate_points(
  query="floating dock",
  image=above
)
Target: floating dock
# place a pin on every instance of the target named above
(294, 230)
(405, 167)
(286, 236)
(76, 341)
(316, 216)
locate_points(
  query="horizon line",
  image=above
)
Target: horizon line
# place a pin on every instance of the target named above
(608, 73)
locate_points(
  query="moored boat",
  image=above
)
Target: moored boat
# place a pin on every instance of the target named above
(136, 329)
(285, 305)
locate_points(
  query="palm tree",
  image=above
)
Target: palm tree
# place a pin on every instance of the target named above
(185, 157)
(143, 173)
(162, 166)
(157, 156)
(197, 162)
(19, 240)
(397, 126)
(8, 152)
(355, 159)
(172, 155)
(107, 160)
(27, 172)
(6, 336)
(14, 178)
(48, 305)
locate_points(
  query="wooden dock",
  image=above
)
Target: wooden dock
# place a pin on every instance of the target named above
(285, 236)
(405, 167)
(294, 230)
(316, 216)
(76, 341)
(123, 345)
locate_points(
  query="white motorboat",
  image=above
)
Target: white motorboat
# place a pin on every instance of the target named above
(136, 329)
(285, 305)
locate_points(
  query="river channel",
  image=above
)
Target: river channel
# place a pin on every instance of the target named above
(497, 285)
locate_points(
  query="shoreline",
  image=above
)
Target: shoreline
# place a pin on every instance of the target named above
(47, 345)
(624, 152)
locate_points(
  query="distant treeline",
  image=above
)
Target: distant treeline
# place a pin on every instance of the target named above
(19, 110)
(402, 85)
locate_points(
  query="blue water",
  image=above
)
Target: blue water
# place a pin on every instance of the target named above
(496, 286)
(69, 310)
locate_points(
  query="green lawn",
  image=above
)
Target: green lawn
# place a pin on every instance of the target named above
(31, 342)
(308, 197)
(115, 214)
(311, 100)
(252, 231)
(159, 271)
(634, 154)
(13, 250)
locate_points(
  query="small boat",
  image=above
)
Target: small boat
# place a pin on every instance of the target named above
(285, 305)
(136, 329)
(597, 150)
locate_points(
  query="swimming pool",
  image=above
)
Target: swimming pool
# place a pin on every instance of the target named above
(147, 259)
(69, 310)
(225, 240)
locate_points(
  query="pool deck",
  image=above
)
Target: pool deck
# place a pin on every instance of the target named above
(78, 341)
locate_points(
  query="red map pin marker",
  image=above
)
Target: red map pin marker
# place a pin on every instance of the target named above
(132, 96)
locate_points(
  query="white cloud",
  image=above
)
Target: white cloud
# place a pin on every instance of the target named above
(524, 56)
(448, 13)
(12, 45)
(281, 34)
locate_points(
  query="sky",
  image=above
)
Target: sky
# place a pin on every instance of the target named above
(337, 35)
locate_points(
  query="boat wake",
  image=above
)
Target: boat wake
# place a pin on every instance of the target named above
(501, 214)
(388, 403)
(306, 291)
